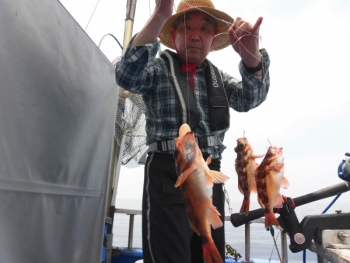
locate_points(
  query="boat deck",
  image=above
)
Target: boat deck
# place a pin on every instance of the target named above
(340, 255)
(335, 246)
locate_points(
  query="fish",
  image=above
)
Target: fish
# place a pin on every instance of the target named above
(246, 166)
(195, 181)
(269, 179)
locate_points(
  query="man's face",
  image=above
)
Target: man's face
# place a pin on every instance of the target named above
(194, 36)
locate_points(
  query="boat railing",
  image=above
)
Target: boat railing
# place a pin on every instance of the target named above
(133, 212)
(303, 235)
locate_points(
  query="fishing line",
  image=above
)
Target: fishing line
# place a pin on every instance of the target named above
(272, 231)
(186, 62)
(92, 15)
(187, 74)
(225, 33)
(239, 92)
(149, 7)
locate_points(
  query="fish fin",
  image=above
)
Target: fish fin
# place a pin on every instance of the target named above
(253, 188)
(245, 207)
(278, 167)
(258, 156)
(240, 189)
(211, 253)
(279, 201)
(182, 178)
(194, 228)
(261, 203)
(210, 179)
(215, 220)
(218, 177)
(208, 160)
(270, 220)
(284, 182)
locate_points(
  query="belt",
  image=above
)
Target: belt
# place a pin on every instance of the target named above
(169, 145)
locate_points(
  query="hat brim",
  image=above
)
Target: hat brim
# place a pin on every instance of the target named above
(223, 20)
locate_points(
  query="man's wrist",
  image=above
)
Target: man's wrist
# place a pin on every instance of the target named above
(253, 70)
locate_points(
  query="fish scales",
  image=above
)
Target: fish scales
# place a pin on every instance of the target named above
(269, 179)
(196, 180)
(246, 166)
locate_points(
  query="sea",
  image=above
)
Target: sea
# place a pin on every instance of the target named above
(261, 241)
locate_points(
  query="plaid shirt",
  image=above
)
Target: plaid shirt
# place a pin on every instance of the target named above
(140, 72)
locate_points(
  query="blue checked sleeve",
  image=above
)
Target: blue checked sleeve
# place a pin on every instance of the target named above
(252, 90)
(135, 70)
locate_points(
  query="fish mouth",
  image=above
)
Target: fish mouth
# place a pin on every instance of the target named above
(239, 147)
(241, 144)
(274, 149)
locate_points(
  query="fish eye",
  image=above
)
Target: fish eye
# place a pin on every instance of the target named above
(268, 155)
(241, 145)
(175, 154)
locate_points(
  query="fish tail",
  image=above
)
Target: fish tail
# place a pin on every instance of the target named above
(245, 207)
(211, 253)
(270, 220)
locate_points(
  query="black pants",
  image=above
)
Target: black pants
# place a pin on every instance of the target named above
(166, 234)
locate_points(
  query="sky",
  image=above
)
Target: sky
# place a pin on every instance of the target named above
(308, 105)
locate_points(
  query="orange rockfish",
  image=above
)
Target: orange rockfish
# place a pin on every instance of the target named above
(269, 179)
(245, 168)
(196, 181)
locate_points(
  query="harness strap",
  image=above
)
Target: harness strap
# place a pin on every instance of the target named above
(169, 145)
(163, 146)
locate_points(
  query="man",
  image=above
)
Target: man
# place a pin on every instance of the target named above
(184, 87)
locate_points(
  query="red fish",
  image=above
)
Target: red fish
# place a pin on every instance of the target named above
(269, 179)
(246, 167)
(196, 181)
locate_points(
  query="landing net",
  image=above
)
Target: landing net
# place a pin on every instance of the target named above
(130, 123)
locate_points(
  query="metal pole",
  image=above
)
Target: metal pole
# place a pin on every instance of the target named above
(284, 247)
(117, 168)
(129, 22)
(131, 231)
(247, 242)
(110, 208)
(118, 149)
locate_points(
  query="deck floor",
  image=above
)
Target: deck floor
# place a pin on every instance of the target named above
(339, 255)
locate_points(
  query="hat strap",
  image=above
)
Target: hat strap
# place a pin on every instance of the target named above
(172, 33)
(215, 35)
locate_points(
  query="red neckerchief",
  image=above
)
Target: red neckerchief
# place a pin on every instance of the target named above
(191, 68)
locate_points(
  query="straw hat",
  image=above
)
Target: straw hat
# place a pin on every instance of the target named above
(207, 6)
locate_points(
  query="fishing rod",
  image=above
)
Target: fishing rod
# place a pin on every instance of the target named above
(238, 219)
(302, 233)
